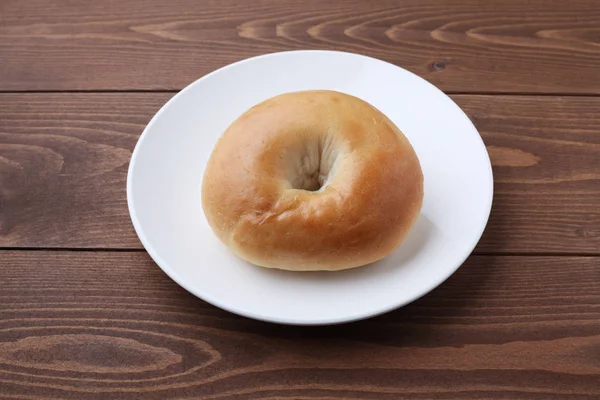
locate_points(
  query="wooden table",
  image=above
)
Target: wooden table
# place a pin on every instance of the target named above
(85, 313)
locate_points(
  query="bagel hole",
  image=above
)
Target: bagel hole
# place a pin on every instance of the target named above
(313, 167)
(309, 182)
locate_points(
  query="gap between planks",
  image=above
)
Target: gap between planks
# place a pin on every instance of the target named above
(449, 93)
(139, 250)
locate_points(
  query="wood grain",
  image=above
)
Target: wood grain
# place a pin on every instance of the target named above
(86, 325)
(545, 153)
(64, 157)
(537, 46)
(63, 165)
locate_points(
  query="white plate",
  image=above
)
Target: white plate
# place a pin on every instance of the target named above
(165, 174)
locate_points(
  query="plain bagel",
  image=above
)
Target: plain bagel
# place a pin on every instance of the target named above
(314, 180)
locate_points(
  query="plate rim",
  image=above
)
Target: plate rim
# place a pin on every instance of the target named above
(171, 273)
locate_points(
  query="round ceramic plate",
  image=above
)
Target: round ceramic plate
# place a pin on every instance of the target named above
(165, 176)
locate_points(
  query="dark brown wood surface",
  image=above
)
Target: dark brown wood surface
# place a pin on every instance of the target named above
(85, 313)
(538, 46)
(64, 158)
(86, 325)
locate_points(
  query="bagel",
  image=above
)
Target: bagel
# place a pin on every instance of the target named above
(313, 180)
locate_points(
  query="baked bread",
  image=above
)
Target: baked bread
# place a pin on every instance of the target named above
(314, 180)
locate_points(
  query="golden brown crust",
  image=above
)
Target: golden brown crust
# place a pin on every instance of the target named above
(370, 200)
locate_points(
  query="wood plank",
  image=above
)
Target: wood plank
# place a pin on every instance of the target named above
(535, 46)
(86, 325)
(545, 154)
(63, 167)
(64, 157)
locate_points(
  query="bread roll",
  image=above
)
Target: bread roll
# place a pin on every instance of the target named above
(314, 180)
